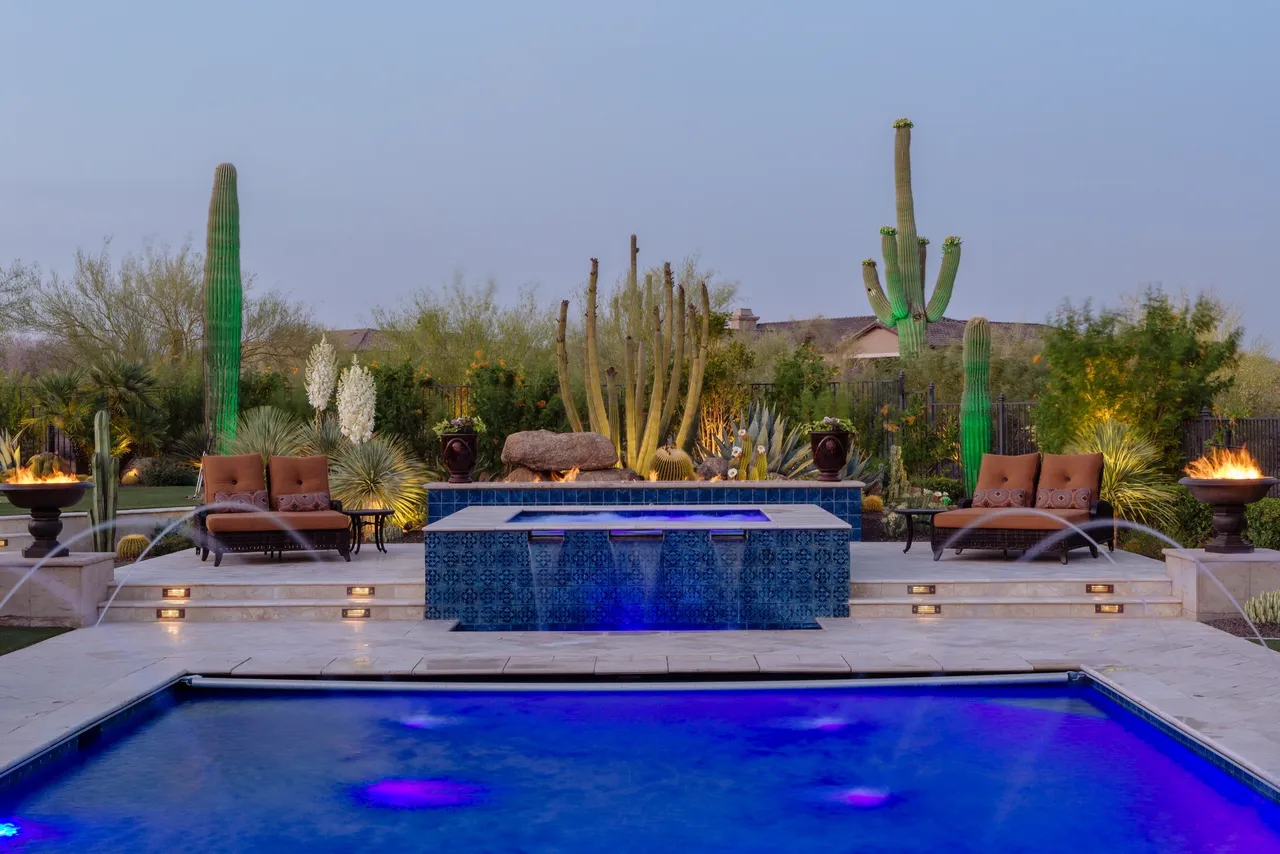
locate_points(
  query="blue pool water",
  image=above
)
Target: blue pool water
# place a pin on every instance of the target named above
(1030, 769)
(607, 517)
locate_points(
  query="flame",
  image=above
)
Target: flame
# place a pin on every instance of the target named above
(567, 477)
(653, 475)
(715, 478)
(25, 476)
(1225, 464)
(537, 478)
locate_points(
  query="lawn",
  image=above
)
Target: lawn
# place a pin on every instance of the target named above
(13, 638)
(130, 498)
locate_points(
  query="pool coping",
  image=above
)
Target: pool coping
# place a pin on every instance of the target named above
(501, 519)
(125, 714)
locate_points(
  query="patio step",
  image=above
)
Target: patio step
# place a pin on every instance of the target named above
(1016, 607)
(239, 610)
(206, 591)
(1001, 588)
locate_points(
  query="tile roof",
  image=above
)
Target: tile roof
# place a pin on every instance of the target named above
(828, 332)
(358, 340)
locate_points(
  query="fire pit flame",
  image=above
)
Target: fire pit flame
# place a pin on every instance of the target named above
(26, 476)
(1225, 464)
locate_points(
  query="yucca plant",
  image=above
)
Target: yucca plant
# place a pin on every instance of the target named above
(381, 473)
(268, 431)
(10, 450)
(787, 448)
(1133, 480)
(323, 438)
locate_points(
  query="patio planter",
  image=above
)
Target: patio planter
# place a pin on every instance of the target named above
(460, 451)
(830, 452)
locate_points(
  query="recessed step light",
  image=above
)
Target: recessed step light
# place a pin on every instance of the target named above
(360, 591)
(356, 613)
(921, 589)
(926, 609)
(171, 613)
(1109, 608)
(176, 593)
(1099, 588)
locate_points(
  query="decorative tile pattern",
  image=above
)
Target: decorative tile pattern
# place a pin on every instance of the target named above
(499, 580)
(839, 499)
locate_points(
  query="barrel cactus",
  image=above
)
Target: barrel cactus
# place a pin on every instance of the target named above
(872, 504)
(223, 310)
(131, 547)
(1264, 609)
(975, 403)
(671, 463)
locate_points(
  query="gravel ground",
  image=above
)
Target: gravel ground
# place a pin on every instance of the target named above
(1239, 627)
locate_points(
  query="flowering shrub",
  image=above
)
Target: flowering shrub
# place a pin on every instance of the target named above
(830, 423)
(357, 402)
(463, 424)
(322, 374)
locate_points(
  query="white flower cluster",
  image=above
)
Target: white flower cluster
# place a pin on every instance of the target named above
(357, 397)
(322, 373)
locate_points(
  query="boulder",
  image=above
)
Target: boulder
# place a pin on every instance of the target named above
(713, 467)
(542, 450)
(608, 476)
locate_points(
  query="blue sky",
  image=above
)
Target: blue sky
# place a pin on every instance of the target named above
(1080, 149)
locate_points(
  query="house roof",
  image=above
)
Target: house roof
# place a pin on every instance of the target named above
(358, 340)
(829, 332)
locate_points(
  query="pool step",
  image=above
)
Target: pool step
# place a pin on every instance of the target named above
(266, 592)
(1016, 607)
(1025, 588)
(238, 610)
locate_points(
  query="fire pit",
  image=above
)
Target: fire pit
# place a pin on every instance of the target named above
(1227, 479)
(44, 496)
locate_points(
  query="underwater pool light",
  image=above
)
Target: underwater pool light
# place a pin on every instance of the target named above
(8, 830)
(862, 798)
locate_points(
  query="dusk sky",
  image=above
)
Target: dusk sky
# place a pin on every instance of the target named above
(1080, 149)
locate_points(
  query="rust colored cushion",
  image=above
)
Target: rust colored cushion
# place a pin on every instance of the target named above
(999, 498)
(293, 475)
(241, 473)
(256, 500)
(319, 520)
(1018, 520)
(1077, 471)
(302, 502)
(1063, 499)
(1008, 472)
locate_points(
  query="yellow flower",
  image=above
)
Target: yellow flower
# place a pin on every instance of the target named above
(1035, 360)
(502, 363)
(479, 353)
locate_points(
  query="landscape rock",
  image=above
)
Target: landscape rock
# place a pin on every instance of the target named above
(608, 476)
(713, 467)
(542, 450)
(520, 474)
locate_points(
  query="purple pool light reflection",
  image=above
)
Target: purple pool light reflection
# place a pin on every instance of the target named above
(607, 517)
(421, 794)
(823, 724)
(425, 721)
(862, 798)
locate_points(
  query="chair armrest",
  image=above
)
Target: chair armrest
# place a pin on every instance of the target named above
(1101, 510)
(334, 504)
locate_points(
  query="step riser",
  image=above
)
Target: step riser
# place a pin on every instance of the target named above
(1011, 611)
(326, 613)
(1021, 589)
(271, 593)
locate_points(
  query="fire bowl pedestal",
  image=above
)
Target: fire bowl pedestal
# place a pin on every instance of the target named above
(45, 502)
(1228, 498)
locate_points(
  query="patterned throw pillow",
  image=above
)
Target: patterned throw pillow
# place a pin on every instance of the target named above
(302, 502)
(1063, 499)
(999, 498)
(251, 501)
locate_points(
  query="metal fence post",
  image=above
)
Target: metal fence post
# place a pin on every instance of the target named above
(932, 402)
(902, 391)
(1000, 417)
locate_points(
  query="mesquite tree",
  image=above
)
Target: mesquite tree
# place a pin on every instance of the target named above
(904, 308)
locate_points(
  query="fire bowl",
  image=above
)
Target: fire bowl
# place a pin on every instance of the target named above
(45, 502)
(1228, 498)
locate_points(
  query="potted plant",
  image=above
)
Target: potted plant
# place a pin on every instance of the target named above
(830, 440)
(460, 445)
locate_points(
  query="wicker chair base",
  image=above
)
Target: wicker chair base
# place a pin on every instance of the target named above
(1007, 540)
(271, 542)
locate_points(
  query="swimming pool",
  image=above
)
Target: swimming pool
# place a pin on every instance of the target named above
(656, 514)
(1037, 768)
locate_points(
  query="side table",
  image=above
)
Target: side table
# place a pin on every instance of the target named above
(376, 519)
(910, 513)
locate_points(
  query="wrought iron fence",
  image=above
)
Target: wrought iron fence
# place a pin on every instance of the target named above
(1260, 435)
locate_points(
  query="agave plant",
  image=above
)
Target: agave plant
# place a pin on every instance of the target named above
(1133, 480)
(786, 448)
(10, 450)
(381, 473)
(268, 431)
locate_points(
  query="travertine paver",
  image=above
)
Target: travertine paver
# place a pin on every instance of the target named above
(1221, 687)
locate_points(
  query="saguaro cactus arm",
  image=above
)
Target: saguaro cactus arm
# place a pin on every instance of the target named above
(946, 280)
(875, 294)
(562, 370)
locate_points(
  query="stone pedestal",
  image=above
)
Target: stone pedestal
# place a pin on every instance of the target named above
(1242, 576)
(64, 592)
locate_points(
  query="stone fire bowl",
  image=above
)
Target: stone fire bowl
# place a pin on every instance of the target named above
(1228, 491)
(44, 496)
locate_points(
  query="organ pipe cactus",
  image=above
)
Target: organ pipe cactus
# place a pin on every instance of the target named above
(105, 471)
(903, 307)
(223, 310)
(975, 403)
(663, 342)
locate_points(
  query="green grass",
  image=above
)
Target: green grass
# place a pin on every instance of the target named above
(13, 638)
(130, 498)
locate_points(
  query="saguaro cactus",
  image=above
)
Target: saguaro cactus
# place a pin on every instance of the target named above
(904, 309)
(662, 339)
(223, 310)
(975, 403)
(105, 470)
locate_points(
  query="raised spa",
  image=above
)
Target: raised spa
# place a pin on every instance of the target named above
(565, 568)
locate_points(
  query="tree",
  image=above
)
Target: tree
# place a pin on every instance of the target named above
(150, 309)
(1154, 366)
(799, 380)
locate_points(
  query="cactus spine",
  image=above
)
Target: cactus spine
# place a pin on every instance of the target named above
(223, 310)
(664, 338)
(904, 307)
(105, 470)
(975, 403)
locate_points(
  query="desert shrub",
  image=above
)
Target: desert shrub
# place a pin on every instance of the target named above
(1264, 523)
(174, 541)
(406, 407)
(800, 380)
(164, 471)
(949, 486)
(1133, 478)
(510, 402)
(1191, 522)
(269, 431)
(1142, 543)
(384, 474)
